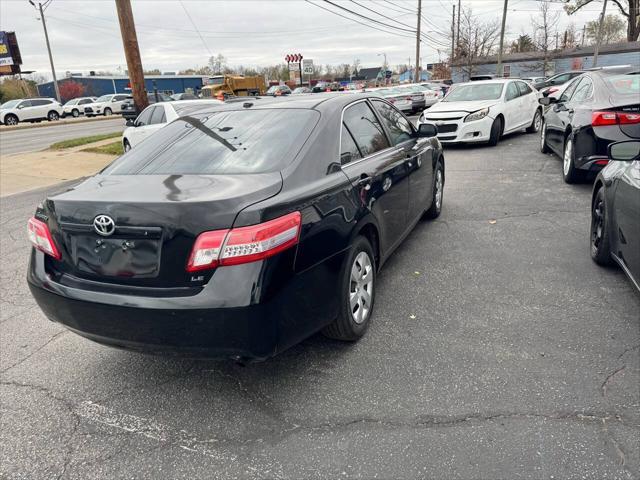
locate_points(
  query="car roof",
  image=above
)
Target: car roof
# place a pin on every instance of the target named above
(492, 81)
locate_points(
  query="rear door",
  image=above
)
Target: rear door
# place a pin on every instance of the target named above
(41, 107)
(529, 102)
(379, 174)
(556, 119)
(512, 110)
(417, 157)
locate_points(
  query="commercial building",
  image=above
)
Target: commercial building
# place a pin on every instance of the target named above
(531, 64)
(99, 85)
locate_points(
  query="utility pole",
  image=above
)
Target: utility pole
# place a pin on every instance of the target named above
(46, 37)
(458, 27)
(453, 36)
(599, 39)
(504, 21)
(584, 28)
(417, 76)
(132, 53)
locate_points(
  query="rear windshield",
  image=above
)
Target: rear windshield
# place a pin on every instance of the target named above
(469, 93)
(628, 84)
(228, 142)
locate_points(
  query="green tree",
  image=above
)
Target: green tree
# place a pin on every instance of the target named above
(612, 30)
(630, 9)
(12, 88)
(524, 43)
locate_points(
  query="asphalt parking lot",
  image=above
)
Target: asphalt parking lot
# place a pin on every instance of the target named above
(498, 350)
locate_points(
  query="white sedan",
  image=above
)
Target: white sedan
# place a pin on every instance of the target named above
(485, 110)
(156, 116)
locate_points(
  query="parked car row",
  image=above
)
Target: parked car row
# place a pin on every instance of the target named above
(30, 110)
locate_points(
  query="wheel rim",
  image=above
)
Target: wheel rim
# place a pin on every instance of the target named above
(597, 224)
(127, 147)
(53, 116)
(107, 112)
(438, 193)
(537, 121)
(361, 288)
(11, 121)
(76, 113)
(543, 137)
(568, 154)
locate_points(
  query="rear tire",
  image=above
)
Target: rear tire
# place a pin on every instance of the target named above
(107, 112)
(599, 238)
(126, 146)
(569, 171)
(75, 113)
(52, 116)
(357, 293)
(438, 193)
(496, 132)
(536, 122)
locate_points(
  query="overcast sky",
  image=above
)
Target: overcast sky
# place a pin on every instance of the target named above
(85, 34)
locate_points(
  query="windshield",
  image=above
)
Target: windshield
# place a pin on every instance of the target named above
(628, 84)
(10, 104)
(104, 98)
(216, 80)
(218, 143)
(472, 93)
(72, 102)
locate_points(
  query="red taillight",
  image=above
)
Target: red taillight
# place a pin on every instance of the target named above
(245, 244)
(41, 239)
(601, 162)
(599, 119)
(206, 250)
(552, 90)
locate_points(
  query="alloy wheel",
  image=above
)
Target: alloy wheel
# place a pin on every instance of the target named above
(53, 116)
(10, 121)
(438, 193)
(568, 156)
(597, 224)
(537, 121)
(361, 288)
(543, 137)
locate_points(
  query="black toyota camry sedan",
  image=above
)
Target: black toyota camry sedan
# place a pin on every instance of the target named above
(239, 230)
(597, 108)
(615, 211)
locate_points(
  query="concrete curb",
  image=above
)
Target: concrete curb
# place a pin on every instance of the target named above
(46, 123)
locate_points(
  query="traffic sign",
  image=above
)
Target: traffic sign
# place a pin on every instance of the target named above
(307, 66)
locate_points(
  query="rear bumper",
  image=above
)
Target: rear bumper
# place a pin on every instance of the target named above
(251, 311)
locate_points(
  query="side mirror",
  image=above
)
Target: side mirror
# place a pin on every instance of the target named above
(547, 100)
(625, 151)
(20, 107)
(427, 130)
(131, 123)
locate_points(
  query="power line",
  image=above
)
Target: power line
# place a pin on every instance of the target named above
(380, 14)
(361, 23)
(400, 6)
(368, 18)
(194, 26)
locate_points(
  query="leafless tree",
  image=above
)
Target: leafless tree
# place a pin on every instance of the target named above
(545, 30)
(477, 39)
(630, 9)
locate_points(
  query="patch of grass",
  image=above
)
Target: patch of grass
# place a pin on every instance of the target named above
(114, 148)
(76, 142)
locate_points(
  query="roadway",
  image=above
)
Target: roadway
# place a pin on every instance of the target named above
(25, 140)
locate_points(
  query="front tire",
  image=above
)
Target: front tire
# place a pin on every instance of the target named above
(496, 132)
(536, 123)
(569, 171)
(10, 120)
(107, 112)
(438, 193)
(75, 113)
(357, 293)
(126, 146)
(600, 242)
(52, 116)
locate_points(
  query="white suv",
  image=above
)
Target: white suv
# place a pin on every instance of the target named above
(75, 107)
(106, 105)
(29, 110)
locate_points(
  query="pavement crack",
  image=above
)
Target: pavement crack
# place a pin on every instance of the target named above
(604, 385)
(59, 334)
(627, 350)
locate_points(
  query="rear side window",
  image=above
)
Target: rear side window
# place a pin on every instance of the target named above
(524, 88)
(85, 101)
(217, 143)
(349, 151)
(365, 128)
(39, 103)
(119, 98)
(398, 126)
(512, 91)
(145, 117)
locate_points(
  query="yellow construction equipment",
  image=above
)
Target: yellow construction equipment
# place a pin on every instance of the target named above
(222, 86)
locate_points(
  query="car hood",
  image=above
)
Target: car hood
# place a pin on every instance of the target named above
(473, 106)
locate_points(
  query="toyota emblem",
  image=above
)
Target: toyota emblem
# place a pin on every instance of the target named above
(104, 225)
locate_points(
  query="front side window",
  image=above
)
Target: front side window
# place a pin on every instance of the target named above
(104, 98)
(217, 143)
(158, 116)
(398, 127)
(24, 104)
(568, 92)
(71, 102)
(524, 88)
(145, 117)
(512, 91)
(349, 151)
(365, 128)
